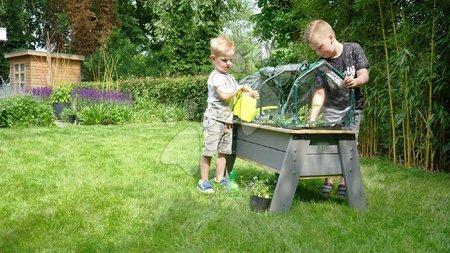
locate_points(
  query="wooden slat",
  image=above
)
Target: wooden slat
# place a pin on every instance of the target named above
(296, 131)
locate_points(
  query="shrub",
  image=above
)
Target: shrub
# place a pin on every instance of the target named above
(93, 114)
(68, 111)
(103, 113)
(118, 114)
(149, 110)
(189, 93)
(25, 111)
(61, 94)
(3, 114)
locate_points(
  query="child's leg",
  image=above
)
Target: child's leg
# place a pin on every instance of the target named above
(221, 162)
(224, 149)
(205, 164)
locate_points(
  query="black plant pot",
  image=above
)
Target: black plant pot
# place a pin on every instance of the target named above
(71, 119)
(58, 108)
(259, 204)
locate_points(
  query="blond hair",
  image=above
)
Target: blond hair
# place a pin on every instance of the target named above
(317, 29)
(220, 45)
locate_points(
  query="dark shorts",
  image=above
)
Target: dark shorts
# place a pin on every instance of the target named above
(355, 125)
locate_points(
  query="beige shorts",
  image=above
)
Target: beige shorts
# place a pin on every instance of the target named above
(217, 137)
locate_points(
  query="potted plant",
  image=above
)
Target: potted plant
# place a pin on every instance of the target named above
(69, 114)
(60, 97)
(261, 192)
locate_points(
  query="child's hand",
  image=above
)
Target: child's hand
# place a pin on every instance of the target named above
(350, 82)
(250, 91)
(246, 88)
(255, 94)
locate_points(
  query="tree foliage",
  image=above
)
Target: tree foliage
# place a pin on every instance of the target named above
(22, 21)
(181, 33)
(91, 22)
(417, 39)
(57, 26)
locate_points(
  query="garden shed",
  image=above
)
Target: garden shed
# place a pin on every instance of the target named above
(30, 68)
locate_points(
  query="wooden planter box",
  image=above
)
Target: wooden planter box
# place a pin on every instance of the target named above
(296, 154)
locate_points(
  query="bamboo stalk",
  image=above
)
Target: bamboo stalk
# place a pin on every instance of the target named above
(429, 133)
(388, 76)
(408, 121)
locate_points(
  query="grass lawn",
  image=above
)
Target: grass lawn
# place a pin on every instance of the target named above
(133, 189)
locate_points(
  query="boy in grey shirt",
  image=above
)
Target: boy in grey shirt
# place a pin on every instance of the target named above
(349, 58)
(218, 117)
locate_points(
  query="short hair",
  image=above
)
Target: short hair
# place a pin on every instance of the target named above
(317, 28)
(221, 44)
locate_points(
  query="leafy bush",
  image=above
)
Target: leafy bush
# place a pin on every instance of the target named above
(149, 110)
(149, 94)
(145, 110)
(25, 111)
(61, 94)
(93, 114)
(105, 114)
(68, 111)
(190, 93)
(3, 114)
(118, 114)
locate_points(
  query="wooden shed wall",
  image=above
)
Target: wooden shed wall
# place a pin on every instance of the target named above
(64, 70)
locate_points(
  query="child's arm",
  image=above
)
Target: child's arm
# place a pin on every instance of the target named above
(317, 103)
(363, 78)
(226, 94)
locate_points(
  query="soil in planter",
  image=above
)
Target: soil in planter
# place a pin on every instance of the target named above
(259, 204)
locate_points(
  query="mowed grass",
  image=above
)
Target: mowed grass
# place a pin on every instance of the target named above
(133, 189)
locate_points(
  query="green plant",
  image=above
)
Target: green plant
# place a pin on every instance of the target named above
(68, 111)
(303, 113)
(25, 111)
(189, 92)
(61, 94)
(262, 186)
(118, 114)
(93, 114)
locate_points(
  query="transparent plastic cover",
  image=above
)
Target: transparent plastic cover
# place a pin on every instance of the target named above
(286, 94)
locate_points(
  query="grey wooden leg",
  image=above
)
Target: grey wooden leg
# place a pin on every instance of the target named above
(348, 153)
(230, 164)
(289, 176)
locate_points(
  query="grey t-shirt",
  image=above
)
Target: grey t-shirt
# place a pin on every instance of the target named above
(217, 108)
(351, 60)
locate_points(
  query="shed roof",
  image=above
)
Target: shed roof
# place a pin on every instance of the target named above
(44, 54)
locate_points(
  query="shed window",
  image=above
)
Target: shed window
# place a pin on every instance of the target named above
(19, 74)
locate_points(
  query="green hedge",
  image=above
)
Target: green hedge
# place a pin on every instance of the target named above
(189, 93)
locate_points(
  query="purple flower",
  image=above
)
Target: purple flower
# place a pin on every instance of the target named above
(95, 96)
(41, 91)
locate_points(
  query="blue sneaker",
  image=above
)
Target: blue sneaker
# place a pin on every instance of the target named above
(205, 186)
(224, 181)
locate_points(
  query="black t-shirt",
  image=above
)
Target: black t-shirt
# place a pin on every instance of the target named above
(351, 60)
